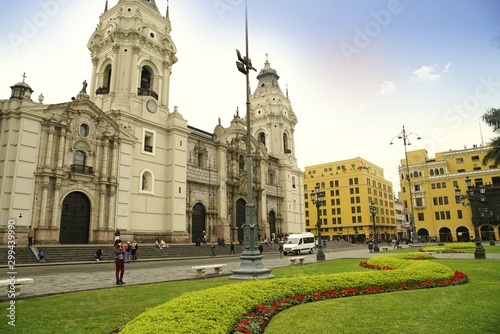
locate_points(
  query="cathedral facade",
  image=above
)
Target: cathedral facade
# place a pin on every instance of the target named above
(116, 156)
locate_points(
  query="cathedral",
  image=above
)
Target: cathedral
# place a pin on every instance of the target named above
(118, 157)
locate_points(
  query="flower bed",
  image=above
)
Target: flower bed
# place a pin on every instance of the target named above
(246, 307)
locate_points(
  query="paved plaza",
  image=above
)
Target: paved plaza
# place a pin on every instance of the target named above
(50, 279)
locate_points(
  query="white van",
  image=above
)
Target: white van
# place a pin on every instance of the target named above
(297, 243)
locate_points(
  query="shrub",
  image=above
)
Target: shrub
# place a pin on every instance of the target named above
(247, 306)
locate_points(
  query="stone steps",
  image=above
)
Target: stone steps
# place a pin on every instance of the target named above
(80, 253)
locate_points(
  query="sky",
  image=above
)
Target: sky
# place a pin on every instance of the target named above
(357, 71)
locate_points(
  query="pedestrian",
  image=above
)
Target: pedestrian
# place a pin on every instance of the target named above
(98, 254)
(128, 251)
(261, 248)
(31, 234)
(117, 234)
(134, 250)
(280, 248)
(41, 256)
(231, 249)
(213, 250)
(119, 262)
(204, 237)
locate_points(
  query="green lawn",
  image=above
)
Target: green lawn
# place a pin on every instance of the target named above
(471, 308)
(468, 308)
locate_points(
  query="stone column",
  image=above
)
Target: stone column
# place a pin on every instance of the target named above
(111, 208)
(43, 204)
(55, 204)
(115, 70)
(62, 142)
(102, 207)
(134, 70)
(165, 84)
(93, 81)
(50, 139)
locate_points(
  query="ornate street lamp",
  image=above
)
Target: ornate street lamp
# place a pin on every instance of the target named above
(406, 142)
(373, 211)
(318, 198)
(251, 266)
(475, 197)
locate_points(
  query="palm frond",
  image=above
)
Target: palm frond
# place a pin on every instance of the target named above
(493, 155)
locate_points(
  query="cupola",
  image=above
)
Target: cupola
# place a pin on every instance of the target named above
(21, 90)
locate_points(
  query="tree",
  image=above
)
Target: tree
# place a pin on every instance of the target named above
(492, 118)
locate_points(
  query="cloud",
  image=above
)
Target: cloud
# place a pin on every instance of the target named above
(388, 87)
(429, 73)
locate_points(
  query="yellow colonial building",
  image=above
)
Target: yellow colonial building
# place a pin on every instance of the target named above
(444, 207)
(350, 186)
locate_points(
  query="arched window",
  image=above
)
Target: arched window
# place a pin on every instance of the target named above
(271, 175)
(79, 158)
(415, 174)
(84, 130)
(146, 76)
(285, 143)
(262, 137)
(431, 172)
(441, 170)
(78, 165)
(107, 76)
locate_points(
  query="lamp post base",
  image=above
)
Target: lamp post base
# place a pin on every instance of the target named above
(479, 253)
(320, 256)
(251, 268)
(375, 248)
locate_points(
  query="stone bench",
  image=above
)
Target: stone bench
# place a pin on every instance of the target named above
(16, 283)
(200, 270)
(297, 259)
(385, 248)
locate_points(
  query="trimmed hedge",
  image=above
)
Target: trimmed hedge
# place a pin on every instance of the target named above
(218, 310)
(451, 247)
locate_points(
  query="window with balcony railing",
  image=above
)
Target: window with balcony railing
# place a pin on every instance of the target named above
(82, 169)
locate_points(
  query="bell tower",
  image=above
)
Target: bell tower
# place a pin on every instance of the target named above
(132, 58)
(273, 119)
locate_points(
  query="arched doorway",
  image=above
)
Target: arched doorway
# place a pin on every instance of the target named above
(198, 222)
(423, 235)
(240, 217)
(487, 232)
(75, 219)
(463, 234)
(272, 224)
(445, 235)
